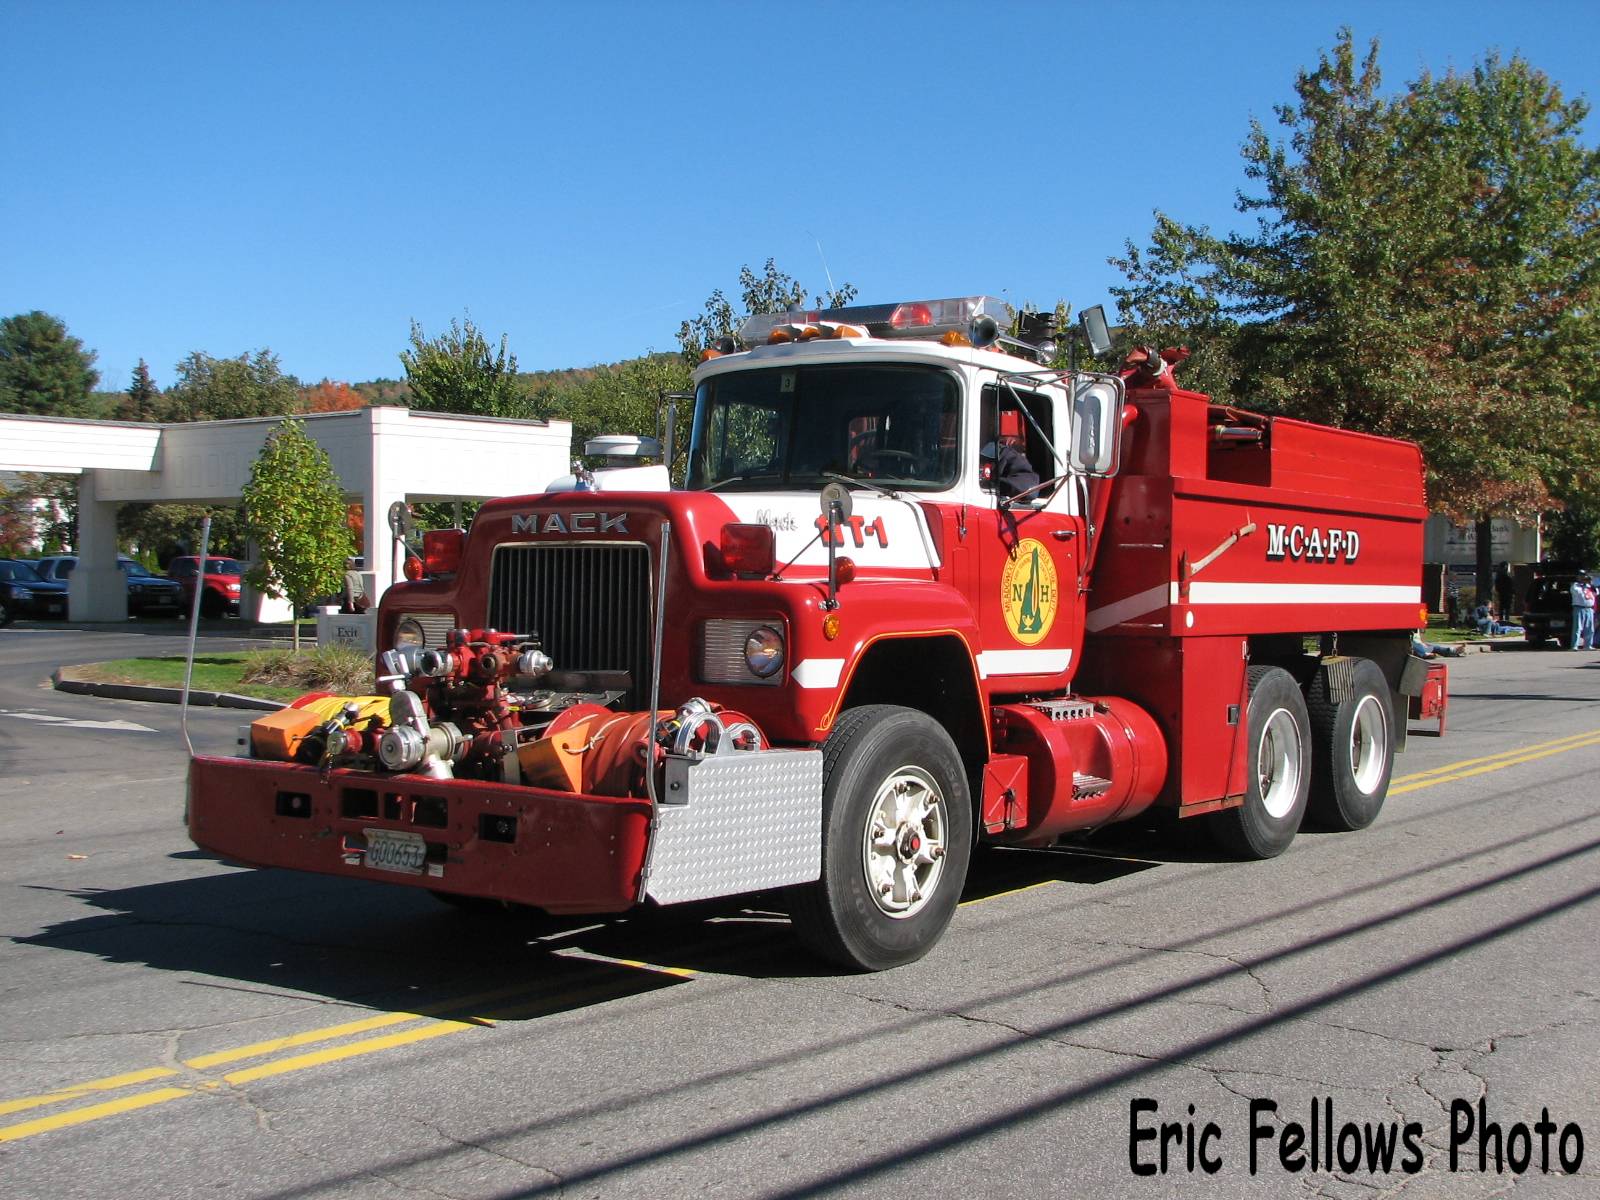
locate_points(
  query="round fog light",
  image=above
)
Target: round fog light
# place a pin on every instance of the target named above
(763, 652)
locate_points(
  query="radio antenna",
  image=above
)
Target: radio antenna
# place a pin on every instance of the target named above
(826, 274)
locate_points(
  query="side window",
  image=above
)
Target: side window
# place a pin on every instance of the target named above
(181, 568)
(1003, 426)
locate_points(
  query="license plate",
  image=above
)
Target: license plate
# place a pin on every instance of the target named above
(393, 850)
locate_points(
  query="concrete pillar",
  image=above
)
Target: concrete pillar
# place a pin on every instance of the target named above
(383, 564)
(98, 590)
(383, 559)
(258, 606)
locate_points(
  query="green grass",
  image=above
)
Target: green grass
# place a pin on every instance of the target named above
(270, 674)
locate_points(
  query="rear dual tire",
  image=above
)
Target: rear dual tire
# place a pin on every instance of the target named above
(1277, 770)
(1352, 744)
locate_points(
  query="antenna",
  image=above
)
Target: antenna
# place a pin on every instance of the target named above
(827, 274)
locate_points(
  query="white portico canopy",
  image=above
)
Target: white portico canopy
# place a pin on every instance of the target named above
(380, 455)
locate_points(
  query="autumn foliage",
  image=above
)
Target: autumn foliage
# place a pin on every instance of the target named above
(330, 396)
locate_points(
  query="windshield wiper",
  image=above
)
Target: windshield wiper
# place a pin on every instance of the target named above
(740, 477)
(852, 481)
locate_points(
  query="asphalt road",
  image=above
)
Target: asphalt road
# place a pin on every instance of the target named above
(171, 1026)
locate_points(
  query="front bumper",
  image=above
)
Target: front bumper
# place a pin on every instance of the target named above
(553, 850)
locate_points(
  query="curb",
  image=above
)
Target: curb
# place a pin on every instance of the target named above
(160, 695)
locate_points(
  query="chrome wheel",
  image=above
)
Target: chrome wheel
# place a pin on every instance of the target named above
(905, 842)
(1369, 744)
(1278, 764)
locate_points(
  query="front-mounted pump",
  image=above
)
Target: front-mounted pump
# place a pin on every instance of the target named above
(920, 589)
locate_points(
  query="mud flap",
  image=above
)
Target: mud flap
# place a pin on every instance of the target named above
(733, 823)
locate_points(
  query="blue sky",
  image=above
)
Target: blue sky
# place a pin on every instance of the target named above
(310, 177)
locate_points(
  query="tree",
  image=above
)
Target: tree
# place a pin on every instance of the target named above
(772, 291)
(19, 520)
(225, 389)
(329, 396)
(294, 509)
(142, 401)
(623, 398)
(458, 372)
(161, 532)
(1422, 267)
(44, 370)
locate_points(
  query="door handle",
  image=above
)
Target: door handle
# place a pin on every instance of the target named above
(1063, 535)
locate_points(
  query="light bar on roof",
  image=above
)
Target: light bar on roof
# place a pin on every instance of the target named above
(913, 318)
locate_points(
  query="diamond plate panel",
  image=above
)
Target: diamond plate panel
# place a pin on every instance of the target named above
(737, 823)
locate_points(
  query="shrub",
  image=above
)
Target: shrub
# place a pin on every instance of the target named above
(334, 669)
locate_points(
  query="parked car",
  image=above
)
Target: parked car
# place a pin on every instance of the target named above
(223, 580)
(24, 594)
(1547, 613)
(147, 592)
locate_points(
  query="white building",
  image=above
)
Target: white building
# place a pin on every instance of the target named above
(380, 455)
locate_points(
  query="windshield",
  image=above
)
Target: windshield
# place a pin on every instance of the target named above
(19, 572)
(224, 566)
(138, 570)
(794, 426)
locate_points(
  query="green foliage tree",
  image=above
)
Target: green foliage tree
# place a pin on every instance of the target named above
(294, 508)
(44, 370)
(620, 399)
(224, 389)
(142, 401)
(1422, 267)
(159, 533)
(459, 372)
(772, 291)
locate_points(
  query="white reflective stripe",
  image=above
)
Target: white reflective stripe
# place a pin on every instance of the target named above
(1303, 593)
(1127, 608)
(1022, 662)
(818, 672)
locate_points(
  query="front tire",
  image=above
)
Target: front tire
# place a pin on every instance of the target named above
(1352, 749)
(896, 840)
(1278, 770)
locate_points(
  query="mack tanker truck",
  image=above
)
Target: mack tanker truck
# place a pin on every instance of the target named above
(920, 592)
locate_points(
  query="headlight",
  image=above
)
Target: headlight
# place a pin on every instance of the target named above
(741, 651)
(21, 593)
(419, 629)
(763, 652)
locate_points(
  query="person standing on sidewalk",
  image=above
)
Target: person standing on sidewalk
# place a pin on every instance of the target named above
(1582, 615)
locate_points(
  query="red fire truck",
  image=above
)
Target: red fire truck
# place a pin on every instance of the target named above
(920, 592)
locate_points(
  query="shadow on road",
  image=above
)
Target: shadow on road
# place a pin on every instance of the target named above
(395, 947)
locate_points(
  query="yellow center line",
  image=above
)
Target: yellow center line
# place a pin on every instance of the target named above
(1464, 771)
(92, 1112)
(574, 954)
(1570, 742)
(1027, 887)
(76, 1092)
(300, 1062)
(201, 1062)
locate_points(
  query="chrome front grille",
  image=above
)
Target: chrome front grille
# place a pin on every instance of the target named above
(589, 602)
